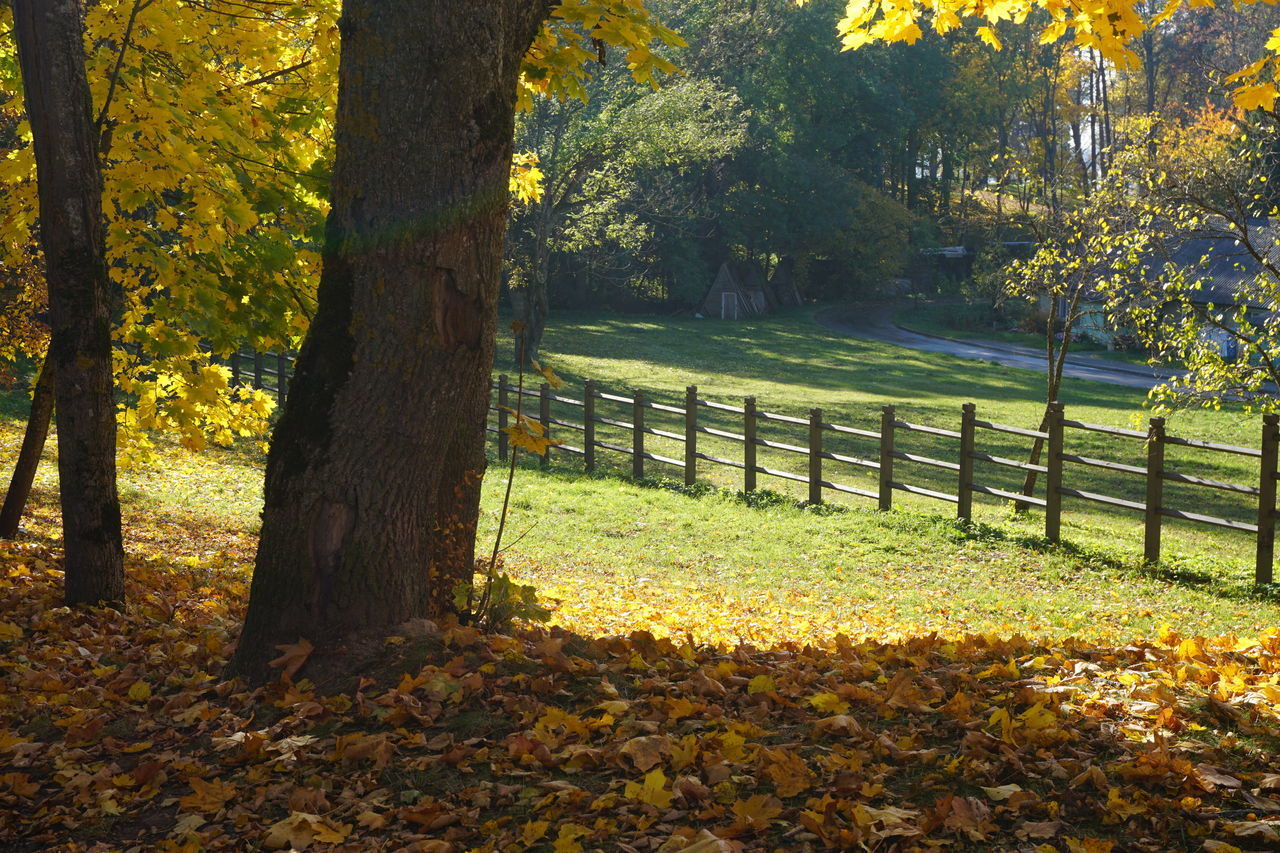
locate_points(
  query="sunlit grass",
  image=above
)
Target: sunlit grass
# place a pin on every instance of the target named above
(618, 555)
(791, 364)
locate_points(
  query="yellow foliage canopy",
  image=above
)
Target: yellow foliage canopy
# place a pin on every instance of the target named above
(1108, 26)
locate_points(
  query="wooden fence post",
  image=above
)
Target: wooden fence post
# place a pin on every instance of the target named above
(637, 434)
(257, 371)
(887, 418)
(1155, 491)
(749, 445)
(503, 405)
(544, 417)
(964, 493)
(282, 382)
(815, 456)
(690, 435)
(589, 425)
(235, 369)
(1262, 572)
(1053, 479)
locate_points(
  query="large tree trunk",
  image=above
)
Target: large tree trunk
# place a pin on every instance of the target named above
(33, 440)
(373, 480)
(50, 37)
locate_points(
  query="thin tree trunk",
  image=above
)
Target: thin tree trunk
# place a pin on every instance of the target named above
(373, 479)
(1104, 160)
(535, 310)
(1077, 138)
(33, 440)
(50, 39)
(535, 306)
(1055, 364)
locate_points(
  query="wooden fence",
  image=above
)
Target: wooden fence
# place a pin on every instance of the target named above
(823, 465)
(256, 368)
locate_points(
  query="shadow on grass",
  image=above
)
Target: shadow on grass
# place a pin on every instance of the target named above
(791, 347)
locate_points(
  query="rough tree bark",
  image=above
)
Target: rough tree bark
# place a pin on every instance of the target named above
(50, 39)
(33, 441)
(372, 485)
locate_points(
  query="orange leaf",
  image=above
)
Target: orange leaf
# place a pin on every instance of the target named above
(757, 811)
(295, 655)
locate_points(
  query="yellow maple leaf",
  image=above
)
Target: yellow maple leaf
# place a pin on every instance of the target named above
(758, 810)
(1089, 845)
(528, 435)
(548, 374)
(329, 832)
(207, 797)
(1261, 96)
(533, 830)
(653, 790)
(567, 841)
(646, 751)
(829, 703)
(293, 657)
(139, 691)
(10, 631)
(761, 684)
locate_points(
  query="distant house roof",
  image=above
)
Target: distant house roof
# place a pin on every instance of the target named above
(947, 251)
(1226, 267)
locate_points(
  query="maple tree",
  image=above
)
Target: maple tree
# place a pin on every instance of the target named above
(214, 131)
(50, 50)
(211, 124)
(1113, 28)
(373, 479)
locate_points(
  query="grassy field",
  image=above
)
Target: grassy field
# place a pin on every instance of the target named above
(726, 567)
(790, 364)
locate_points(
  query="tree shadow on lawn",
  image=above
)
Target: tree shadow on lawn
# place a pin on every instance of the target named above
(187, 542)
(790, 347)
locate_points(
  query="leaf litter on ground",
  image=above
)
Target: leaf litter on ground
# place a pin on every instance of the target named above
(118, 733)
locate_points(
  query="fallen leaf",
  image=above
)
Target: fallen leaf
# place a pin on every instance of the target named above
(293, 657)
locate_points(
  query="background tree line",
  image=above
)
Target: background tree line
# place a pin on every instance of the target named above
(834, 168)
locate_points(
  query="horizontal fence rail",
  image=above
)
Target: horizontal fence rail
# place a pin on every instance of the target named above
(1047, 463)
(253, 369)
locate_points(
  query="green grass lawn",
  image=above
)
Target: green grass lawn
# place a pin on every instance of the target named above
(659, 554)
(790, 364)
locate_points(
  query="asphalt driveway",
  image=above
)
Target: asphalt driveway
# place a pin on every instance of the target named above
(875, 322)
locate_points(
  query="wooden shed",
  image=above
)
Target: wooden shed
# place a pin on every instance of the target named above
(739, 291)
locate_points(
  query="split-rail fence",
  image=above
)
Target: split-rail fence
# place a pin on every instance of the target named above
(823, 465)
(271, 371)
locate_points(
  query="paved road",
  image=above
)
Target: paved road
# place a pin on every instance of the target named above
(876, 323)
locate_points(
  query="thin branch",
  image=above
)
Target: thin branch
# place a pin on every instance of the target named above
(264, 165)
(267, 78)
(138, 6)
